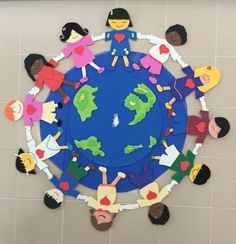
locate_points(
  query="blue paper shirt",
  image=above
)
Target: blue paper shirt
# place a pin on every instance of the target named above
(120, 41)
(66, 184)
(184, 86)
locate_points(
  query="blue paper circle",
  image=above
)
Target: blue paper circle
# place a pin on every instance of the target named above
(113, 88)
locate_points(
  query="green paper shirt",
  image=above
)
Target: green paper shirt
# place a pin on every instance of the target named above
(182, 166)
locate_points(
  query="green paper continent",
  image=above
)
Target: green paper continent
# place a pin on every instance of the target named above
(134, 103)
(152, 141)
(84, 102)
(130, 148)
(91, 144)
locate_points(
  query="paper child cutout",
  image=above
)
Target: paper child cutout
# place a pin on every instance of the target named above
(183, 165)
(119, 20)
(175, 35)
(32, 110)
(78, 40)
(200, 126)
(104, 206)
(67, 183)
(37, 66)
(200, 80)
(26, 162)
(151, 195)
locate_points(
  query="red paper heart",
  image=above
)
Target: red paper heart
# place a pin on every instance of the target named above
(79, 50)
(201, 126)
(105, 201)
(119, 37)
(30, 109)
(189, 83)
(65, 185)
(151, 195)
(163, 49)
(40, 153)
(184, 165)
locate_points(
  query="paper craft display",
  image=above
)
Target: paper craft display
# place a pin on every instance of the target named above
(151, 195)
(183, 165)
(116, 122)
(133, 102)
(131, 148)
(84, 101)
(201, 127)
(37, 65)
(78, 40)
(104, 207)
(119, 20)
(66, 184)
(91, 144)
(152, 142)
(175, 35)
(200, 80)
(32, 110)
(109, 123)
(26, 162)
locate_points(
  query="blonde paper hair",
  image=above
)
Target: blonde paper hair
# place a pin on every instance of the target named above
(214, 74)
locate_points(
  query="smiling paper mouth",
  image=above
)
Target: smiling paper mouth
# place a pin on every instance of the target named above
(19, 109)
(73, 37)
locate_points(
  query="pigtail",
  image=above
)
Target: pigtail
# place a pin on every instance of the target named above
(86, 31)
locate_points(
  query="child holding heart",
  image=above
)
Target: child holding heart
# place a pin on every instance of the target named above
(183, 165)
(104, 208)
(200, 126)
(151, 195)
(27, 161)
(32, 110)
(78, 40)
(199, 81)
(176, 35)
(119, 20)
(67, 182)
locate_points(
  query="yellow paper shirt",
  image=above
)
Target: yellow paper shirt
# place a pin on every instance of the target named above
(150, 194)
(106, 196)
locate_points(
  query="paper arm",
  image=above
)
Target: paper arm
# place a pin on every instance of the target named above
(154, 40)
(203, 103)
(30, 140)
(181, 62)
(128, 206)
(59, 57)
(196, 148)
(29, 136)
(165, 191)
(170, 186)
(141, 36)
(48, 173)
(34, 91)
(98, 37)
(82, 197)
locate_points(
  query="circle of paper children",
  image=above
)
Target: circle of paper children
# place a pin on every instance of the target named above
(200, 80)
